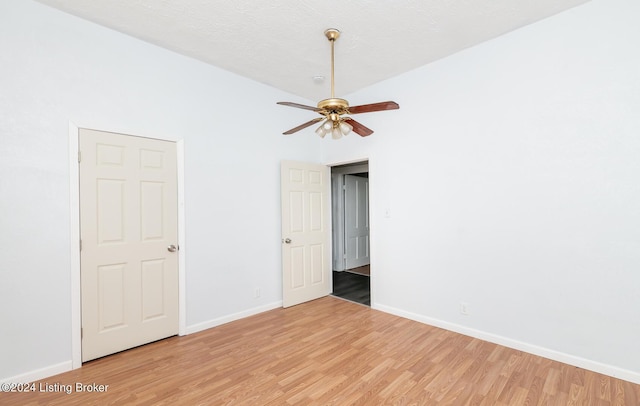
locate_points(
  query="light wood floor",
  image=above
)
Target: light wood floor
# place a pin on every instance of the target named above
(361, 270)
(331, 352)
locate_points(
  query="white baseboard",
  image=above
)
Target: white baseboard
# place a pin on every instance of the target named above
(39, 374)
(624, 374)
(590, 365)
(232, 317)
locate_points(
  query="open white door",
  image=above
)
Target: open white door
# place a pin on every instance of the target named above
(306, 232)
(356, 227)
(129, 231)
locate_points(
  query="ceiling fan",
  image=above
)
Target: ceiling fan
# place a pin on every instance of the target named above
(335, 111)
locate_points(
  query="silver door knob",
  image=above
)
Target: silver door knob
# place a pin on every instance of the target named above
(172, 248)
(287, 240)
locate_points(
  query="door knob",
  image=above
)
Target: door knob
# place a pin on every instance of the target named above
(287, 240)
(172, 248)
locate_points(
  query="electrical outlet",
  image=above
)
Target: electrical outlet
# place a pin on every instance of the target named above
(256, 293)
(464, 308)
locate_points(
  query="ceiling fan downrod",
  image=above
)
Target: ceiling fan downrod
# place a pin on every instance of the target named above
(333, 105)
(332, 35)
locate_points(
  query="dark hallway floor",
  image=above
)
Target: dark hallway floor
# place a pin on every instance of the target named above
(353, 287)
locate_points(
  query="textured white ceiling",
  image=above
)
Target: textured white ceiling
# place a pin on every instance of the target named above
(281, 42)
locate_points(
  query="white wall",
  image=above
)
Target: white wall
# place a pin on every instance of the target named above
(56, 69)
(512, 176)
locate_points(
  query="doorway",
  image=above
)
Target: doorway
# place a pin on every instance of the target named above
(350, 235)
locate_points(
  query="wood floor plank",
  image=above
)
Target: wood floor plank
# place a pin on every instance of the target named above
(329, 352)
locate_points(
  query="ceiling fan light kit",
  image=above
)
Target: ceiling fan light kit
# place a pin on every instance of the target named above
(335, 111)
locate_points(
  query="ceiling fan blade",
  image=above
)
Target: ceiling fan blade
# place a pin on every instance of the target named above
(368, 108)
(301, 126)
(359, 128)
(300, 106)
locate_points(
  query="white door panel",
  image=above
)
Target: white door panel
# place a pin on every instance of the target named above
(128, 218)
(306, 227)
(356, 198)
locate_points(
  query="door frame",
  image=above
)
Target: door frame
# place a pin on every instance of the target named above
(338, 211)
(74, 240)
(354, 199)
(373, 209)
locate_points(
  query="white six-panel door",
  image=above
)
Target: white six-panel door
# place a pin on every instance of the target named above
(356, 202)
(128, 221)
(306, 231)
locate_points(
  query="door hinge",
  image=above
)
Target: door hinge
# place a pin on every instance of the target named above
(81, 332)
(79, 156)
(80, 245)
